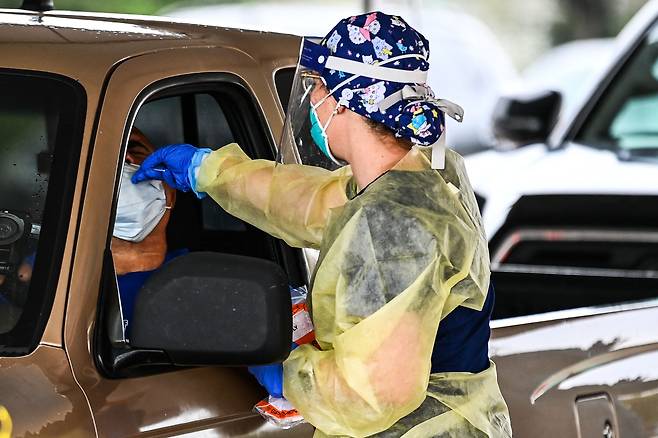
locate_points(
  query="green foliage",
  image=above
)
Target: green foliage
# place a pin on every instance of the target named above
(145, 7)
(575, 19)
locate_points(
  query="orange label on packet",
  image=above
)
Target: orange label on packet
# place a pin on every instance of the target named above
(277, 409)
(302, 325)
(279, 412)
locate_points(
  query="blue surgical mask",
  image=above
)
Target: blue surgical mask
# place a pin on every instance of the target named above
(140, 208)
(319, 132)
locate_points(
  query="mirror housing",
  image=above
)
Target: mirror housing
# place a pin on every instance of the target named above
(525, 119)
(208, 308)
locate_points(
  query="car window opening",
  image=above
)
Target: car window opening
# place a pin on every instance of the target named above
(41, 119)
(207, 116)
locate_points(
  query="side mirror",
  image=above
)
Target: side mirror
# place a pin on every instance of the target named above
(527, 119)
(215, 309)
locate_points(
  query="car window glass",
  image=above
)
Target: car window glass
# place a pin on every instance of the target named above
(38, 116)
(213, 128)
(161, 120)
(624, 120)
(214, 132)
(283, 80)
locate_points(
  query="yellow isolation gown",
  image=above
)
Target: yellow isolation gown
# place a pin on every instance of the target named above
(395, 259)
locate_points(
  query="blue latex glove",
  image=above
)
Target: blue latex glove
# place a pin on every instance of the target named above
(175, 164)
(270, 377)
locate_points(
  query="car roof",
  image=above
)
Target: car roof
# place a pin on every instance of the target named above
(86, 46)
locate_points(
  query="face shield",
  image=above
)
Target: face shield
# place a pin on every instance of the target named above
(297, 144)
(304, 134)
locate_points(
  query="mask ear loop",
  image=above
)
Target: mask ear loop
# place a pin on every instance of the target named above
(333, 113)
(306, 92)
(326, 125)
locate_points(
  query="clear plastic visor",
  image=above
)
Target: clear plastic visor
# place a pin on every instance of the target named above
(297, 145)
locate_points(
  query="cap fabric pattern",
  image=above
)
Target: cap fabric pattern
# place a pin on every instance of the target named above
(378, 38)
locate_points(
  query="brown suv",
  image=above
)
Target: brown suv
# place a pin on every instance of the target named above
(73, 85)
(72, 363)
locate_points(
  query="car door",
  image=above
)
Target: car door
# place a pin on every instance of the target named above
(206, 400)
(577, 355)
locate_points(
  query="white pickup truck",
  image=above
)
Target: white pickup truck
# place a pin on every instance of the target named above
(579, 190)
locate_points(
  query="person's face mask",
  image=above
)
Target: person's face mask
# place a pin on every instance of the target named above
(140, 208)
(319, 132)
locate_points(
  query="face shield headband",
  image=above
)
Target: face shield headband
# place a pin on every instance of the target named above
(297, 146)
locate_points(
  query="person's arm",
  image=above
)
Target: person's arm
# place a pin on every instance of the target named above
(291, 202)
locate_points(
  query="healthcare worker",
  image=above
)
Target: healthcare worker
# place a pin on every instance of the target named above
(402, 249)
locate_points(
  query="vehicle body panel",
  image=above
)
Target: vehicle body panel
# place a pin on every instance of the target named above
(45, 398)
(564, 359)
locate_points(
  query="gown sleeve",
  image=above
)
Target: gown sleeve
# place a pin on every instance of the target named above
(291, 202)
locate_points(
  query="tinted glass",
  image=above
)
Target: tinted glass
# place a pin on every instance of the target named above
(39, 116)
(161, 121)
(213, 128)
(283, 79)
(625, 119)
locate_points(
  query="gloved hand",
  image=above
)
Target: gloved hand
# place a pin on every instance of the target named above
(270, 377)
(175, 164)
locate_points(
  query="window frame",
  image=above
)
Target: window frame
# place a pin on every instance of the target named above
(566, 314)
(55, 221)
(126, 362)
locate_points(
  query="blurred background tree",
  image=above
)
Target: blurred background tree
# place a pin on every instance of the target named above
(145, 7)
(578, 19)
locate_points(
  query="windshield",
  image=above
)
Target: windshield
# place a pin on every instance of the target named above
(626, 117)
(39, 117)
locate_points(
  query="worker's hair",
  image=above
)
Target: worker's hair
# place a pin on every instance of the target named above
(387, 134)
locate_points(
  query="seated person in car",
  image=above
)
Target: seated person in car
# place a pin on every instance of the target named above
(139, 241)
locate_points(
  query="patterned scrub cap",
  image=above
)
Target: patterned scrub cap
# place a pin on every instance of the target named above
(396, 93)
